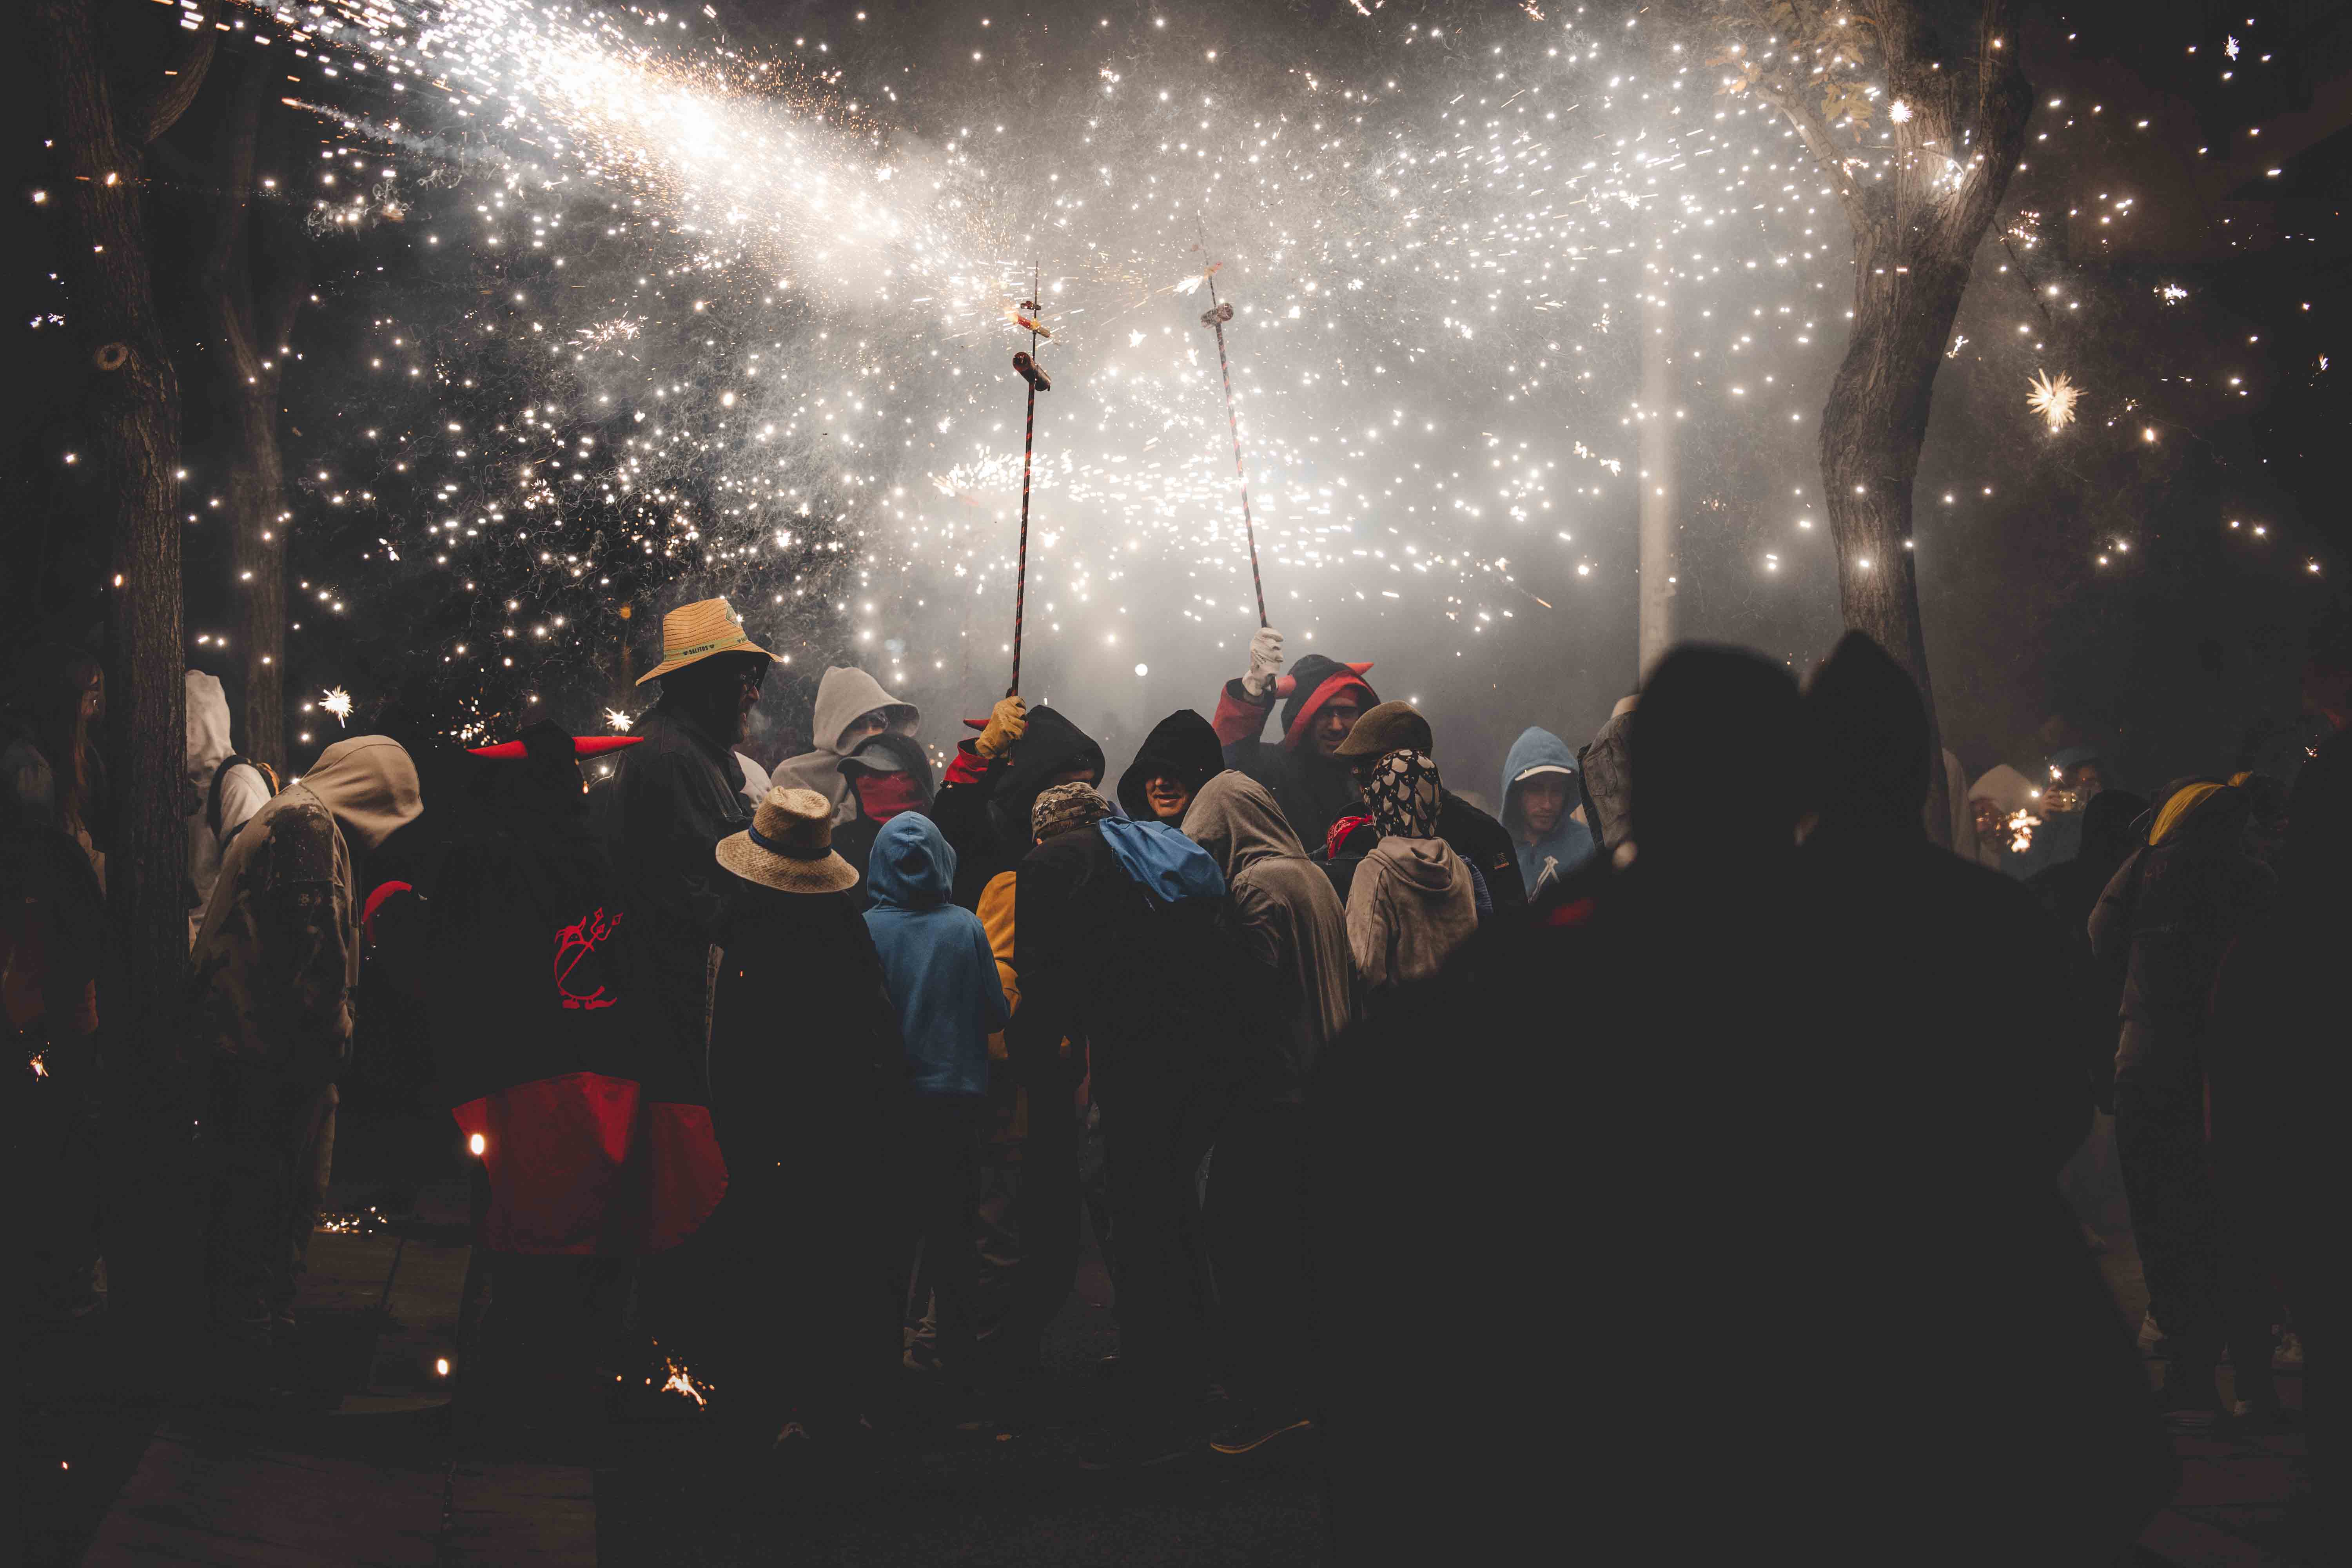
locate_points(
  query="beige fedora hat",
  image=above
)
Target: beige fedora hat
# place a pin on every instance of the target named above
(789, 845)
(692, 633)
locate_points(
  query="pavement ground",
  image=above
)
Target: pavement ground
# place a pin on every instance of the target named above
(362, 1460)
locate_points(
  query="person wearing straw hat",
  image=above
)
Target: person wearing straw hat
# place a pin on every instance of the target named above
(667, 801)
(808, 1085)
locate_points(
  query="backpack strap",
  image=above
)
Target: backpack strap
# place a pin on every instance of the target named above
(211, 801)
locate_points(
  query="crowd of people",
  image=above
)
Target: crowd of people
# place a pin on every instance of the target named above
(1690, 1134)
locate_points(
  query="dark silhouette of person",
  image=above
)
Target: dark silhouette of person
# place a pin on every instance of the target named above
(1949, 1089)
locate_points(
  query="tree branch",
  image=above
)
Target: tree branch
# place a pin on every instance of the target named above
(1814, 132)
(150, 111)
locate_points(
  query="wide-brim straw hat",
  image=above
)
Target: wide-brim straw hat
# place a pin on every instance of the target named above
(692, 633)
(789, 845)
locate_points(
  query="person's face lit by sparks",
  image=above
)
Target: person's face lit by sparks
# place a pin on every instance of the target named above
(1543, 800)
(1990, 820)
(1169, 796)
(1333, 722)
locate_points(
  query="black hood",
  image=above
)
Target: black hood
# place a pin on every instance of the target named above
(1050, 745)
(1183, 745)
(1870, 731)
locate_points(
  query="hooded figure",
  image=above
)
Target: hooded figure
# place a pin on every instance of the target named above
(1293, 925)
(1311, 787)
(983, 805)
(943, 977)
(224, 790)
(1125, 940)
(1947, 1153)
(272, 974)
(1182, 750)
(850, 706)
(1551, 853)
(1412, 901)
(1287, 917)
(1994, 802)
(936, 960)
(888, 774)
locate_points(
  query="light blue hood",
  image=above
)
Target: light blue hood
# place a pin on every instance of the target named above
(1168, 865)
(1569, 844)
(912, 865)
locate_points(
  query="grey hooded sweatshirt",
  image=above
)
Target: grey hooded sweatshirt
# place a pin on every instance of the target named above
(1288, 917)
(1410, 905)
(275, 963)
(846, 695)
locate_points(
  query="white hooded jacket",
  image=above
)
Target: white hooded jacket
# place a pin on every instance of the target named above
(846, 695)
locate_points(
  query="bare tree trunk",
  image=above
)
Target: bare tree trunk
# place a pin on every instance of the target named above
(132, 416)
(244, 326)
(1655, 454)
(1920, 203)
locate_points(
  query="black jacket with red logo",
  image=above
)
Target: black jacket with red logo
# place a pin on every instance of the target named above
(552, 1047)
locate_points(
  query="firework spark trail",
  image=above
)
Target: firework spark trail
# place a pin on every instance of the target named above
(766, 276)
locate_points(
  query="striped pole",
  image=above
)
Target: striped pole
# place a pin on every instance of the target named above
(1025, 364)
(1216, 317)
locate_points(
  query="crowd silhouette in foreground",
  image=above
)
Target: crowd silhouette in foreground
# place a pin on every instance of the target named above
(1681, 1145)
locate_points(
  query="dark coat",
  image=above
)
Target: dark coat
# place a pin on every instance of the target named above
(1165, 996)
(661, 814)
(2067, 893)
(1829, 1104)
(789, 1279)
(1485, 846)
(549, 1041)
(2166, 921)
(983, 806)
(1183, 745)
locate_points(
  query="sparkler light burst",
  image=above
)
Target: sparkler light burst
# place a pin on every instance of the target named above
(338, 702)
(2053, 400)
(669, 314)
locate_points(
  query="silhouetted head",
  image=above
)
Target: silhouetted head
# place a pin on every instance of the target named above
(1870, 731)
(2108, 837)
(1703, 747)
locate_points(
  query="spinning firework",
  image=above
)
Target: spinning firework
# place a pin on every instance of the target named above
(2053, 400)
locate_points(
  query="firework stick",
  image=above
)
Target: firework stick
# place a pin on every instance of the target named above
(1021, 568)
(1215, 318)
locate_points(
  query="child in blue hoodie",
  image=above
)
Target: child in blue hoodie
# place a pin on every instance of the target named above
(942, 978)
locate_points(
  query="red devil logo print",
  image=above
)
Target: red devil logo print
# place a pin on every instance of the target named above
(576, 945)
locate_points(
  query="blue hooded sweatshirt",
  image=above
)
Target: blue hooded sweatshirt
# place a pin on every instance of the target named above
(935, 958)
(1570, 843)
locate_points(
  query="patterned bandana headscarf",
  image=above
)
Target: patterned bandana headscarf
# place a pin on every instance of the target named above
(1065, 808)
(1402, 792)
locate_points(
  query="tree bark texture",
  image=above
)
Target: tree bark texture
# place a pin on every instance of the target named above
(247, 315)
(1918, 207)
(131, 416)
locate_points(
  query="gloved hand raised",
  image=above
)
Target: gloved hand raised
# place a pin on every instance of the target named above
(1007, 721)
(1266, 658)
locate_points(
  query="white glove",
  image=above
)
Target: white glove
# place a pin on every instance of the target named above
(1266, 658)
